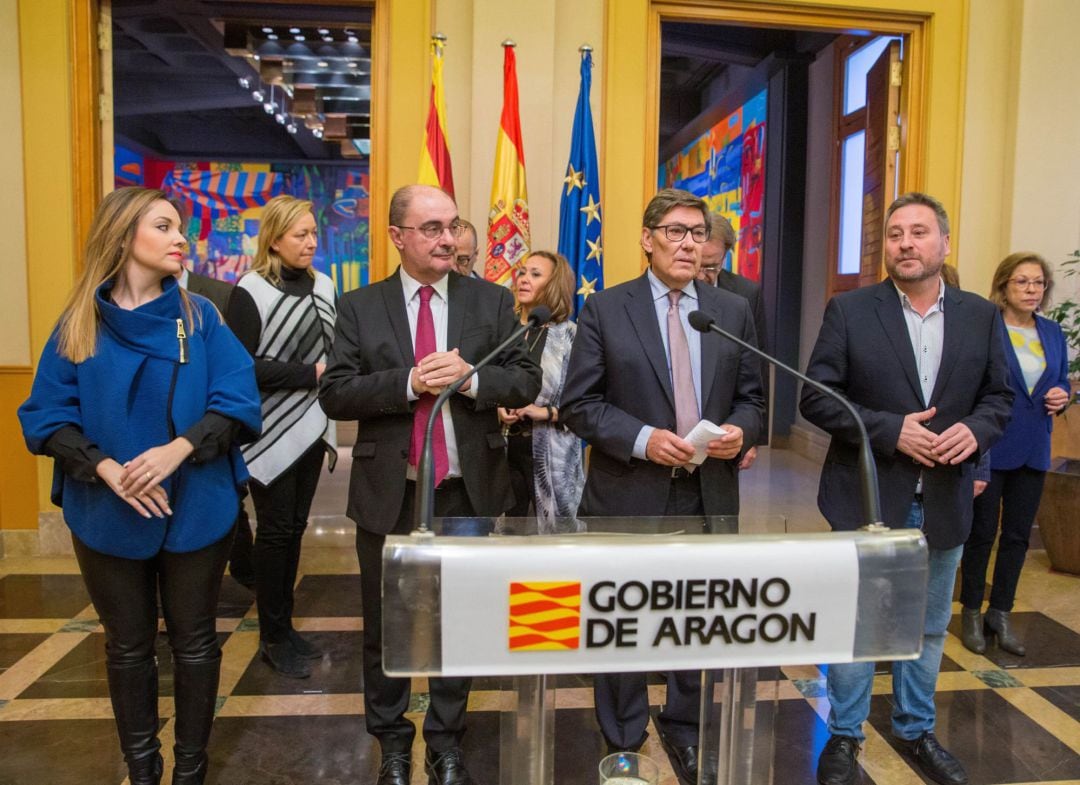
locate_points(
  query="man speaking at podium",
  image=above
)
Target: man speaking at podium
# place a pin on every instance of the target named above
(639, 380)
(398, 343)
(924, 365)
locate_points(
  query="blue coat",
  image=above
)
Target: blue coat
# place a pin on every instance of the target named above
(134, 394)
(1026, 441)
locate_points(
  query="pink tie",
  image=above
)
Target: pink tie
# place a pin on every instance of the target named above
(425, 345)
(682, 376)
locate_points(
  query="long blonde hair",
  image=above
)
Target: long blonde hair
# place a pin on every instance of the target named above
(107, 247)
(278, 216)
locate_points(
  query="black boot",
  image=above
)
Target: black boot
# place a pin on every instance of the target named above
(196, 697)
(133, 690)
(971, 630)
(997, 623)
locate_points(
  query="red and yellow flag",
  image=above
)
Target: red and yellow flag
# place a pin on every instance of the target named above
(545, 615)
(508, 221)
(435, 168)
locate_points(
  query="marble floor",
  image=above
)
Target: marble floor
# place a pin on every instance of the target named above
(1011, 720)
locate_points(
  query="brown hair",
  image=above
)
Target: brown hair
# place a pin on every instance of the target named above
(720, 228)
(915, 197)
(111, 235)
(1006, 269)
(558, 293)
(950, 276)
(278, 216)
(667, 200)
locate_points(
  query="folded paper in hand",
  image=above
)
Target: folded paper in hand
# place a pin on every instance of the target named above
(700, 436)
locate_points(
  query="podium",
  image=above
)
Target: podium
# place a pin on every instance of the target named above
(506, 597)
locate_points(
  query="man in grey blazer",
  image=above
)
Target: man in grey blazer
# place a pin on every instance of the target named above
(924, 365)
(382, 374)
(639, 378)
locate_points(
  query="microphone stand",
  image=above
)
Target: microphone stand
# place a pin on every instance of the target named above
(871, 500)
(425, 471)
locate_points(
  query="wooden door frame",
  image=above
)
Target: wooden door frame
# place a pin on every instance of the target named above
(632, 87)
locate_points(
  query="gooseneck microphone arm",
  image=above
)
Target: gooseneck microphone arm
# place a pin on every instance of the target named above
(425, 472)
(871, 500)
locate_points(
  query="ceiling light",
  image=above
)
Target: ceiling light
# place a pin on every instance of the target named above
(291, 128)
(269, 107)
(271, 37)
(324, 31)
(299, 38)
(244, 82)
(280, 118)
(354, 64)
(317, 133)
(268, 29)
(294, 29)
(353, 39)
(328, 38)
(323, 64)
(258, 95)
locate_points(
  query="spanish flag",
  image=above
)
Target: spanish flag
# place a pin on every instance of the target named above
(435, 168)
(508, 221)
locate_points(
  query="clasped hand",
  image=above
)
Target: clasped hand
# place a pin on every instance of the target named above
(138, 482)
(437, 370)
(952, 446)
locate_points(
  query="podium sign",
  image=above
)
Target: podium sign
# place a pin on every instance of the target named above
(495, 606)
(570, 605)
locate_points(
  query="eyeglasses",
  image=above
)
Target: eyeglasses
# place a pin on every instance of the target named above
(712, 269)
(1028, 283)
(434, 231)
(677, 232)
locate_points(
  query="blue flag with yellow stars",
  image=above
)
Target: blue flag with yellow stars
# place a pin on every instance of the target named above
(579, 208)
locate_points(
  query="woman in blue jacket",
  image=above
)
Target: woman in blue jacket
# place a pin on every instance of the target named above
(1039, 367)
(141, 395)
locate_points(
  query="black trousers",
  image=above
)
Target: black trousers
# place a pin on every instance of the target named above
(281, 515)
(386, 698)
(622, 699)
(1014, 496)
(125, 596)
(519, 457)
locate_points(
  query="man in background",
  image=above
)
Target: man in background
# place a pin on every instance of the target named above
(713, 252)
(465, 260)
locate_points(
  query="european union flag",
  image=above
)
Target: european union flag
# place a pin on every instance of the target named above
(579, 209)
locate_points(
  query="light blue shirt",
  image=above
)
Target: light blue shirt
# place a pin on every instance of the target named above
(687, 304)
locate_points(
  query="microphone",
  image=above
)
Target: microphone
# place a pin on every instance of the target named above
(425, 472)
(871, 501)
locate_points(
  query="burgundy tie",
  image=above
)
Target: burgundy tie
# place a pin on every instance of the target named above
(425, 345)
(682, 375)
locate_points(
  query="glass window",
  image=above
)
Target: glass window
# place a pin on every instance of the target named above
(856, 68)
(851, 189)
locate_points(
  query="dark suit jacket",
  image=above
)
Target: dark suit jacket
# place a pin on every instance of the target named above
(217, 292)
(744, 287)
(863, 352)
(366, 378)
(1026, 441)
(618, 381)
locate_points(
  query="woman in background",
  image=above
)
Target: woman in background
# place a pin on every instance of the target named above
(1038, 375)
(283, 311)
(140, 395)
(544, 457)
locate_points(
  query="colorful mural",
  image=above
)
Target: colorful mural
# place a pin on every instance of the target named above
(224, 202)
(726, 167)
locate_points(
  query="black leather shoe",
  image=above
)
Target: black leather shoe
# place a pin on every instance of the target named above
(304, 647)
(837, 766)
(447, 768)
(936, 762)
(683, 760)
(394, 769)
(284, 659)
